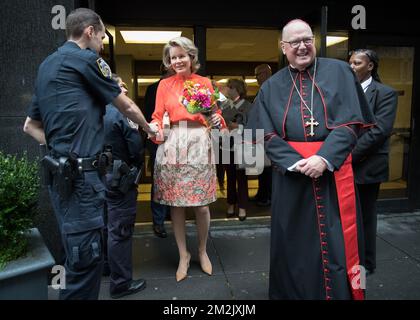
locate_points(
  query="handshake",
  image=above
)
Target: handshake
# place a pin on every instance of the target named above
(155, 132)
(152, 130)
(160, 135)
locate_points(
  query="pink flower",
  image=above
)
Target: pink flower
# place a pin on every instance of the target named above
(197, 98)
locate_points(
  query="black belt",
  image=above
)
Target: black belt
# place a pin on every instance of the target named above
(87, 164)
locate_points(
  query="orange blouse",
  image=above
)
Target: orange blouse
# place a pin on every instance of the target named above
(167, 99)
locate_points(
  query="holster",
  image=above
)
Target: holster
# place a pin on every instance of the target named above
(104, 160)
(139, 174)
(63, 174)
(64, 177)
(49, 167)
(124, 177)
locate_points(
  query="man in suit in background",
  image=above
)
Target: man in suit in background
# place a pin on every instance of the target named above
(370, 156)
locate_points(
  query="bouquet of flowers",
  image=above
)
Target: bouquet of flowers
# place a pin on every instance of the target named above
(197, 98)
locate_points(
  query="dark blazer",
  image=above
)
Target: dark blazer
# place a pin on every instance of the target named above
(370, 155)
(149, 108)
(150, 100)
(239, 115)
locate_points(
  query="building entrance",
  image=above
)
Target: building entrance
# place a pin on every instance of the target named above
(231, 53)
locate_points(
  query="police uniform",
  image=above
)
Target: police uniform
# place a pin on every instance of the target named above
(72, 88)
(127, 148)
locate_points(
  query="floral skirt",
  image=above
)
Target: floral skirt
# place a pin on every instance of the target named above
(185, 174)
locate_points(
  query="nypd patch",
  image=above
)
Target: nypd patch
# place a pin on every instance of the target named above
(104, 68)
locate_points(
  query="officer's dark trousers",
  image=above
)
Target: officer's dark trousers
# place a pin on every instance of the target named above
(368, 194)
(121, 216)
(80, 218)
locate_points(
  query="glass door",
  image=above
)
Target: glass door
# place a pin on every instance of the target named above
(396, 70)
(233, 53)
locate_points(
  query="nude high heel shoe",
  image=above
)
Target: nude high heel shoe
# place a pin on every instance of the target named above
(230, 211)
(182, 271)
(205, 263)
(242, 214)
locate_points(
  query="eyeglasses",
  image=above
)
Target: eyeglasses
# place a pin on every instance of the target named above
(306, 41)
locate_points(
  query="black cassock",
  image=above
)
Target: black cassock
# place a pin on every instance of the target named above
(314, 246)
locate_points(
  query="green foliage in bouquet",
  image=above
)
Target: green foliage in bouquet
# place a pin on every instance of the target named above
(19, 186)
(197, 98)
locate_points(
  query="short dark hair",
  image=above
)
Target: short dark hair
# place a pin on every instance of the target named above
(239, 85)
(78, 20)
(373, 57)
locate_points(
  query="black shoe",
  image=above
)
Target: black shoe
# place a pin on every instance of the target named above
(230, 214)
(254, 199)
(369, 272)
(133, 287)
(264, 203)
(159, 231)
(242, 218)
(106, 271)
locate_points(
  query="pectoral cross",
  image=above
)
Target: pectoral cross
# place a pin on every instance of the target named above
(312, 123)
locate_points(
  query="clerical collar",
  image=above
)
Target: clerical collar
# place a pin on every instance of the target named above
(295, 70)
(365, 84)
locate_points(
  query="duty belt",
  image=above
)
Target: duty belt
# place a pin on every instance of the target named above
(87, 164)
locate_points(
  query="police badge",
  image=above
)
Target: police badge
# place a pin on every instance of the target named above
(104, 68)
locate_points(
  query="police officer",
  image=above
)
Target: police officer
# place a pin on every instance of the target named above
(121, 197)
(72, 88)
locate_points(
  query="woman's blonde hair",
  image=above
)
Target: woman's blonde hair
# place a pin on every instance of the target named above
(185, 44)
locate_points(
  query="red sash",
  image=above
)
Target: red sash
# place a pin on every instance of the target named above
(344, 182)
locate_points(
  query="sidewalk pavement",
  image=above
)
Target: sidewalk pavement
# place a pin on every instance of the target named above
(239, 252)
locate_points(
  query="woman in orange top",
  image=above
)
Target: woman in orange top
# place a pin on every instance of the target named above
(184, 174)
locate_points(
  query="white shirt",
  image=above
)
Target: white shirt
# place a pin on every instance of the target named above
(238, 102)
(365, 84)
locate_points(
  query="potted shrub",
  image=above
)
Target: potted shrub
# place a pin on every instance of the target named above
(24, 258)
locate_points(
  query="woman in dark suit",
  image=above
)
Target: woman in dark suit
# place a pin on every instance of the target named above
(236, 119)
(370, 156)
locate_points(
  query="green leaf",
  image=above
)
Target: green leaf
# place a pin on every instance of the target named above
(19, 187)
